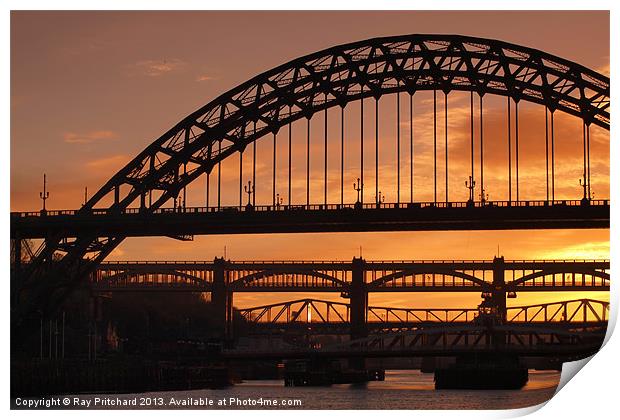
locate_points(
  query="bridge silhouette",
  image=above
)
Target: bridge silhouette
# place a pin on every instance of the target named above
(443, 341)
(315, 312)
(148, 197)
(497, 280)
(337, 276)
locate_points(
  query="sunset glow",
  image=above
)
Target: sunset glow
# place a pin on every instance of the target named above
(101, 94)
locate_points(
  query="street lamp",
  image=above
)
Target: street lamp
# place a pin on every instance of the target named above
(358, 187)
(45, 194)
(470, 186)
(249, 190)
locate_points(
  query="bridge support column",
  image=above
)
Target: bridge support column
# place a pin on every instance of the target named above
(358, 296)
(498, 299)
(359, 300)
(499, 288)
(222, 300)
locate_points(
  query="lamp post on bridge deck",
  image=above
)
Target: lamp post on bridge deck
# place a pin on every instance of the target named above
(358, 187)
(44, 195)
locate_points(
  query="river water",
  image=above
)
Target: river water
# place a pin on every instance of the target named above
(402, 389)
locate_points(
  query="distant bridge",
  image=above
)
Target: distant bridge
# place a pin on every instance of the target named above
(316, 316)
(496, 280)
(554, 343)
(336, 276)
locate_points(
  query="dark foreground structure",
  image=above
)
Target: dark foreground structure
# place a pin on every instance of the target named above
(482, 372)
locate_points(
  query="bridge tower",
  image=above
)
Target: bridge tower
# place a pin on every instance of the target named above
(498, 296)
(498, 302)
(358, 296)
(222, 300)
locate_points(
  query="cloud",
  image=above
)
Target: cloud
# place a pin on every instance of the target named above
(91, 136)
(156, 68)
(204, 78)
(108, 163)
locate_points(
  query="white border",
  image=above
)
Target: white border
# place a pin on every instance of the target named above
(592, 394)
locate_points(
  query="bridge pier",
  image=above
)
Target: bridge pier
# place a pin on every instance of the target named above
(498, 296)
(498, 300)
(358, 296)
(222, 300)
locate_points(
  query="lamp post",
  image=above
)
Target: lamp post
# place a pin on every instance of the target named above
(249, 190)
(358, 187)
(470, 186)
(45, 194)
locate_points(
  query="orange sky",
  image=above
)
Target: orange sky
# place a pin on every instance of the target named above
(89, 90)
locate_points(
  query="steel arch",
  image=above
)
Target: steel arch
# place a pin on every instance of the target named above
(543, 273)
(246, 281)
(345, 73)
(324, 79)
(450, 273)
(130, 275)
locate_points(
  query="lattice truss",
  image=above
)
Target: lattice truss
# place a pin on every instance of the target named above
(340, 75)
(317, 311)
(304, 86)
(473, 337)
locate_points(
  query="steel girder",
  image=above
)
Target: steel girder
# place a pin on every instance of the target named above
(323, 311)
(306, 85)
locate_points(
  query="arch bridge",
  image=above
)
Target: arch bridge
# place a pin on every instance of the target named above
(150, 195)
(316, 316)
(337, 276)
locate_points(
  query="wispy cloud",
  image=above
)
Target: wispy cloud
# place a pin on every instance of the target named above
(89, 137)
(107, 163)
(204, 78)
(156, 68)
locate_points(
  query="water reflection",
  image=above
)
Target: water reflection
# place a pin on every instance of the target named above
(401, 390)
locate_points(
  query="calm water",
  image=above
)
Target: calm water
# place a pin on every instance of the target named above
(401, 390)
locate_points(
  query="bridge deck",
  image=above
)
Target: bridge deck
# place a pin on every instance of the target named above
(315, 218)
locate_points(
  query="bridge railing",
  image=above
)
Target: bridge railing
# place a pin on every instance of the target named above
(368, 262)
(310, 207)
(383, 276)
